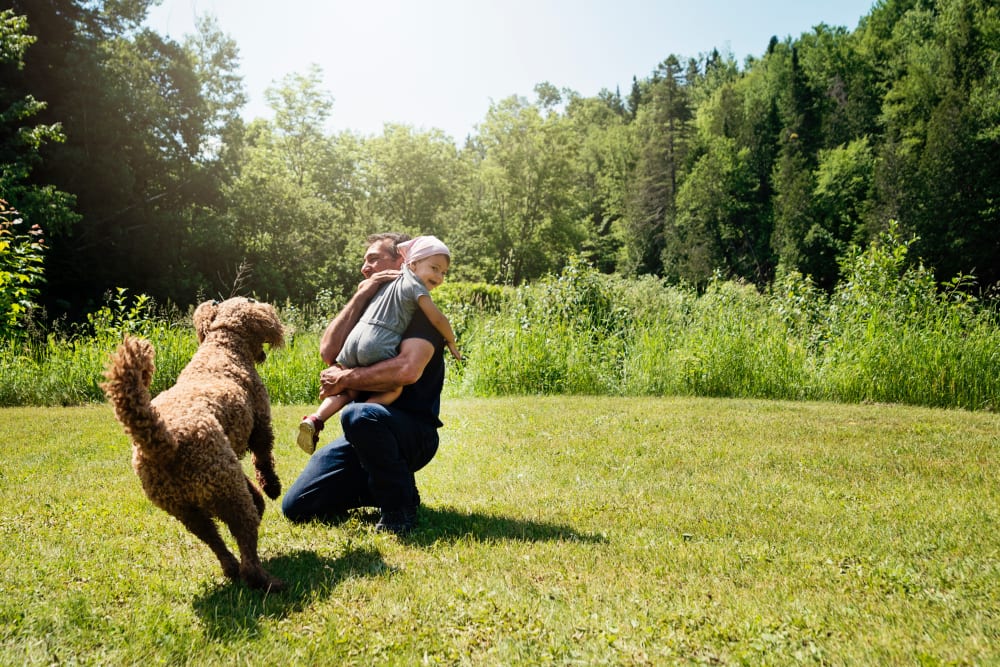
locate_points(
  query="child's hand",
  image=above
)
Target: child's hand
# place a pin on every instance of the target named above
(373, 282)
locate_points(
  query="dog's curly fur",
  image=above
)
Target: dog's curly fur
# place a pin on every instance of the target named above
(187, 442)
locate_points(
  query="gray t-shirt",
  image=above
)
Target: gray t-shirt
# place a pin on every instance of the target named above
(377, 334)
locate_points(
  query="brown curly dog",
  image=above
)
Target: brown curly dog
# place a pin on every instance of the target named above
(187, 442)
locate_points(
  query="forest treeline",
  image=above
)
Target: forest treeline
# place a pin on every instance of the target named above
(127, 152)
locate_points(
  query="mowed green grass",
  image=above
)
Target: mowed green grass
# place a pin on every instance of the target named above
(556, 530)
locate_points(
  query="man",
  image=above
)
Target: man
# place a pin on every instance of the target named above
(373, 464)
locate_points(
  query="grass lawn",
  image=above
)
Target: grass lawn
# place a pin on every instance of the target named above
(555, 530)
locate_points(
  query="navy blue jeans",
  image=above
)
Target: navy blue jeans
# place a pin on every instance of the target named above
(372, 465)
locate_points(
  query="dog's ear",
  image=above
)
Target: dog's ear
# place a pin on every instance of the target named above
(268, 324)
(204, 315)
(262, 325)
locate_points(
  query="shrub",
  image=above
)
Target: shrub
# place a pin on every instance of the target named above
(896, 335)
(21, 270)
(889, 332)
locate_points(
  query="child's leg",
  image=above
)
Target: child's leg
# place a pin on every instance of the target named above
(332, 405)
(311, 425)
(386, 397)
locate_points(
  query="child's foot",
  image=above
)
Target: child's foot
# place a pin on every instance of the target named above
(309, 429)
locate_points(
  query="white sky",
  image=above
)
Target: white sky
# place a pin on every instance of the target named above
(440, 63)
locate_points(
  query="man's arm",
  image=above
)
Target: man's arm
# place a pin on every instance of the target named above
(336, 332)
(403, 369)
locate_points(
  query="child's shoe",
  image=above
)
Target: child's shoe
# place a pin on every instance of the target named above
(309, 429)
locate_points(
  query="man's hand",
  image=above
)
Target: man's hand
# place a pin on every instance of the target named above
(403, 369)
(330, 381)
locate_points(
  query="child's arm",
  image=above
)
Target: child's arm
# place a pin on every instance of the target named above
(440, 322)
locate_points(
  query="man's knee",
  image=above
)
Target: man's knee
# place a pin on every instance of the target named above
(292, 508)
(355, 418)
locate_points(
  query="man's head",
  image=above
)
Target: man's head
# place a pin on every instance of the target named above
(382, 253)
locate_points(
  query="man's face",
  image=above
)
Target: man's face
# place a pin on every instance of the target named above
(379, 257)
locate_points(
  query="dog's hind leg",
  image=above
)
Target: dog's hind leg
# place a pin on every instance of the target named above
(261, 447)
(243, 522)
(258, 500)
(202, 526)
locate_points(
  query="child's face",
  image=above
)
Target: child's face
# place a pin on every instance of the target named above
(431, 270)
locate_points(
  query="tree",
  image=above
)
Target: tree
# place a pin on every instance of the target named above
(937, 169)
(22, 139)
(791, 177)
(301, 108)
(842, 84)
(842, 191)
(520, 222)
(409, 179)
(605, 161)
(139, 134)
(713, 229)
(793, 186)
(665, 130)
(293, 207)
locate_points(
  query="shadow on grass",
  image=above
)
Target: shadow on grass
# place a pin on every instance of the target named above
(232, 609)
(438, 523)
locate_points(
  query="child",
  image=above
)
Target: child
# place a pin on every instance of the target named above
(377, 334)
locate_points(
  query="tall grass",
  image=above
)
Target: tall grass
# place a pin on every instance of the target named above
(65, 368)
(895, 335)
(889, 332)
(564, 335)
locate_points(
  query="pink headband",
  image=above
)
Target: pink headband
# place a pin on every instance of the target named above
(423, 246)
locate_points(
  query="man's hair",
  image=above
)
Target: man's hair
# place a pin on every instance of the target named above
(395, 237)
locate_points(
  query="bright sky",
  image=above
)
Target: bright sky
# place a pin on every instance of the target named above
(440, 63)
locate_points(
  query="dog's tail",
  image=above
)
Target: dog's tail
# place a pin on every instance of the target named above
(129, 374)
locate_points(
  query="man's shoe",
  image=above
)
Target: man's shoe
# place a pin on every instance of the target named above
(398, 521)
(309, 429)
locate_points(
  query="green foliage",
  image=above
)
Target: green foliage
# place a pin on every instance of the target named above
(714, 177)
(122, 317)
(141, 160)
(889, 333)
(22, 140)
(411, 181)
(291, 373)
(843, 187)
(483, 297)
(519, 197)
(666, 131)
(713, 226)
(559, 335)
(289, 208)
(734, 345)
(708, 168)
(463, 303)
(21, 271)
(896, 335)
(67, 368)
